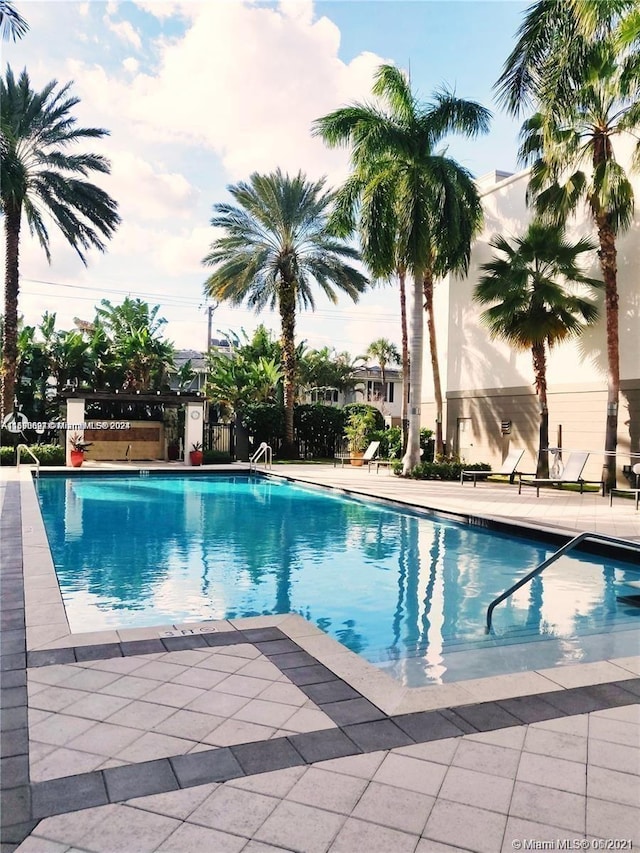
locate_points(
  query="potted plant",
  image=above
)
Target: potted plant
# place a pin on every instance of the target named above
(357, 429)
(195, 455)
(78, 447)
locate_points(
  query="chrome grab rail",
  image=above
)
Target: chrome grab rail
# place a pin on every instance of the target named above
(568, 546)
(21, 447)
(263, 451)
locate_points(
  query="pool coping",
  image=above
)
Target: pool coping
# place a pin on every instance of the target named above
(47, 627)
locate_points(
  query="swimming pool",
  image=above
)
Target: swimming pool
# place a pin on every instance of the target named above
(405, 590)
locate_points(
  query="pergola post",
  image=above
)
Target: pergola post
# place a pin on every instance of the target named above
(75, 415)
(193, 427)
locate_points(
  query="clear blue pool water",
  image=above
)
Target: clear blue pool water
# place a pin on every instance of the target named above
(405, 590)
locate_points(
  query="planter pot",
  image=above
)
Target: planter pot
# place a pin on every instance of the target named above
(77, 458)
(356, 458)
(196, 457)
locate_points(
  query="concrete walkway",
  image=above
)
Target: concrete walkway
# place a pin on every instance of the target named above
(257, 736)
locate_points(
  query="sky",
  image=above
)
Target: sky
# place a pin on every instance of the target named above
(198, 95)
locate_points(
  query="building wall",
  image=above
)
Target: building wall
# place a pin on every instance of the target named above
(487, 382)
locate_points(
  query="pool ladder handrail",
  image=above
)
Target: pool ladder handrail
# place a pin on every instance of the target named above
(568, 546)
(263, 451)
(21, 447)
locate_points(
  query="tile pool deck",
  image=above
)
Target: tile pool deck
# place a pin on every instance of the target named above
(267, 735)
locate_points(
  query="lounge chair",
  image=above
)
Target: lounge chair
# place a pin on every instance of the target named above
(508, 469)
(636, 491)
(368, 456)
(572, 473)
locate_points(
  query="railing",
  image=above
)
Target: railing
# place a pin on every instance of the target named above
(568, 546)
(21, 447)
(263, 451)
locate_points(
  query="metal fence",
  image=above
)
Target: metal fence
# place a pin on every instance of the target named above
(221, 438)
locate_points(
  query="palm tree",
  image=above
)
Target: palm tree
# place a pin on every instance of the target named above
(530, 305)
(12, 24)
(276, 243)
(553, 45)
(38, 176)
(416, 208)
(574, 161)
(384, 352)
(578, 63)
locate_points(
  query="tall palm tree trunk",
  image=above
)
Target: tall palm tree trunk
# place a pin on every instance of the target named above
(411, 457)
(383, 379)
(609, 267)
(402, 274)
(11, 288)
(287, 305)
(435, 364)
(540, 373)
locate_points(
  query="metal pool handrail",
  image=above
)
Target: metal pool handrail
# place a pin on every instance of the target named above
(31, 454)
(264, 450)
(568, 546)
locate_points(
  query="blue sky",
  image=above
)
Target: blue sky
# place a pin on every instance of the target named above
(197, 95)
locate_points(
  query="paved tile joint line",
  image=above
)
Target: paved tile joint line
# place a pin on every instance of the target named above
(362, 727)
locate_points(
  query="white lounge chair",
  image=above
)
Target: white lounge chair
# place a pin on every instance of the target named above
(636, 491)
(508, 468)
(369, 455)
(571, 473)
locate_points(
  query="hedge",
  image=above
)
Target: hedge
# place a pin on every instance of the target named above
(216, 457)
(444, 470)
(48, 454)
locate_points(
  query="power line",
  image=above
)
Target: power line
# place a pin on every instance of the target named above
(185, 301)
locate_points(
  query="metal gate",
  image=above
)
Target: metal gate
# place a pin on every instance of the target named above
(221, 438)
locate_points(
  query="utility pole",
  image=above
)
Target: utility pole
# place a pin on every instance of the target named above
(210, 310)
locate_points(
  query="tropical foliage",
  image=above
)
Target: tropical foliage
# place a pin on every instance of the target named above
(528, 286)
(275, 246)
(122, 349)
(383, 352)
(415, 208)
(12, 24)
(39, 178)
(586, 90)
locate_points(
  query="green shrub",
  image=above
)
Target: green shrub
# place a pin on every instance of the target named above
(444, 470)
(350, 408)
(48, 454)
(318, 428)
(216, 457)
(7, 456)
(264, 422)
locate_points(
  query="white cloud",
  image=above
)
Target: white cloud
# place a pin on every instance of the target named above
(124, 30)
(246, 81)
(236, 92)
(145, 193)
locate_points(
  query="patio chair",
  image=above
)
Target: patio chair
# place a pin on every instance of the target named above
(572, 473)
(508, 468)
(636, 491)
(368, 456)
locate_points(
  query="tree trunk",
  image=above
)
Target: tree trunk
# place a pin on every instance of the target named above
(540, 373)
(11, 289)
(287, 304)
(609, 266)
(405, 359)
(435, 365)
(383, 377)
(411, 457)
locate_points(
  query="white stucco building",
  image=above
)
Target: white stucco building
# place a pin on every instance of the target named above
(490, 397)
